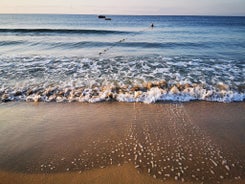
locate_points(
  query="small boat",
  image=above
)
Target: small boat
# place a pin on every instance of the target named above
(107, 18)
(101, 16)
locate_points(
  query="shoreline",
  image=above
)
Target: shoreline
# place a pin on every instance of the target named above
(191, 142)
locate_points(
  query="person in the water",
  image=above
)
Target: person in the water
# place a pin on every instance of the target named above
(152, 25)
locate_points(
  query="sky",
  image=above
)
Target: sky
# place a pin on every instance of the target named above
(128, 7)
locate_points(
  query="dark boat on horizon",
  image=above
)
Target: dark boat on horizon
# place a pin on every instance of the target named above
(101, 16)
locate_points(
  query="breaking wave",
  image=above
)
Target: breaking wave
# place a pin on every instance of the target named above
(149, 92)
(146, 79)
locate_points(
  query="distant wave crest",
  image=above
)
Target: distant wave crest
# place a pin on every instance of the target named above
(63, 31)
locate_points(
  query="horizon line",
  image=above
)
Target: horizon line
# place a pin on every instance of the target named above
(213, 15)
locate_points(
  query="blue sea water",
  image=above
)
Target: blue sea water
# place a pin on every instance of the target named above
(83, 58)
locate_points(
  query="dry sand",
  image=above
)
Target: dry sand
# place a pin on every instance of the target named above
(197, 142)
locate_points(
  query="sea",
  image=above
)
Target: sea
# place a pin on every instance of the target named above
(83, 58)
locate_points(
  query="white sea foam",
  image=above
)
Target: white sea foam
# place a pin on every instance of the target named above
(144, 95)
(126, 79)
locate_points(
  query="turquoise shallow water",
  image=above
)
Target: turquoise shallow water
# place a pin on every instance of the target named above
(84, 58)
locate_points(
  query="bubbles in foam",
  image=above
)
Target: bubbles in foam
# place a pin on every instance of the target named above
(128, 79)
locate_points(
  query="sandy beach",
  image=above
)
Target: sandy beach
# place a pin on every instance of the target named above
(195, 142)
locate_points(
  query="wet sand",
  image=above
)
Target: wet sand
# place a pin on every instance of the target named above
(198, 142)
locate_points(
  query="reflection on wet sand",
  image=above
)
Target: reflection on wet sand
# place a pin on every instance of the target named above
(162, 142)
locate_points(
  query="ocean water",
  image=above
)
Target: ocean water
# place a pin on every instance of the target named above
(67, 58)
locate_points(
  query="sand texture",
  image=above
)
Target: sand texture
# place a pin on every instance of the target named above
(198, 142)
